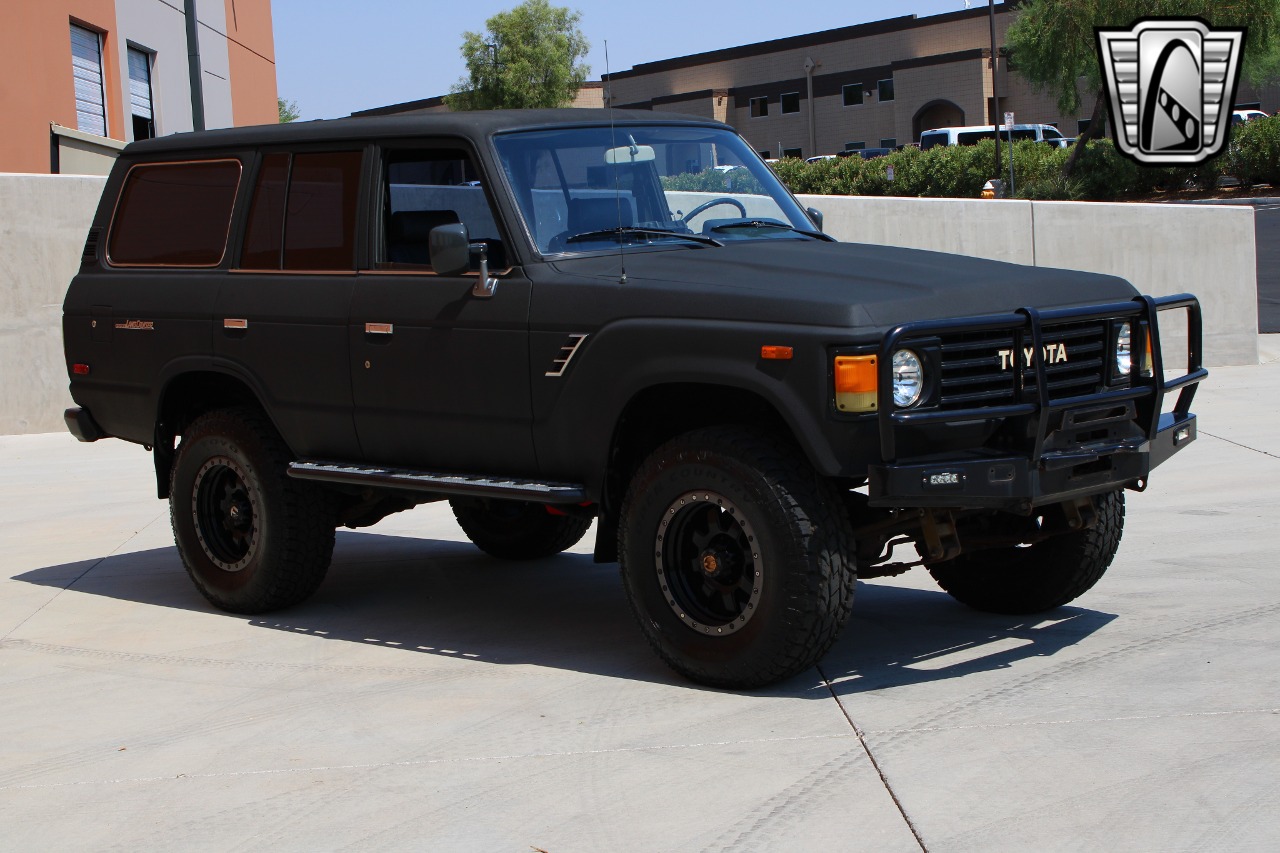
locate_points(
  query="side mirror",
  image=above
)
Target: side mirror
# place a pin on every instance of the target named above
(816, 216)
(450, 249)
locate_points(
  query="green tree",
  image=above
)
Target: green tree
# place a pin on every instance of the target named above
(288, 110)
(527, 58)
(1056, 48)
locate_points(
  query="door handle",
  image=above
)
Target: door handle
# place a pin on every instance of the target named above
(379, 328)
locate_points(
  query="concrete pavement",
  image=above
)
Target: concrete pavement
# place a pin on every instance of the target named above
(429, 697)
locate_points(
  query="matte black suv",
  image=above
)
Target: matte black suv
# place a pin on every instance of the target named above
(553, 317)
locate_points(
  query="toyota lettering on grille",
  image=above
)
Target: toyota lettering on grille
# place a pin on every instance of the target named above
(1053, 354)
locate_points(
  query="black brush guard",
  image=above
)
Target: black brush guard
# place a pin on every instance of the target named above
(1038, 474)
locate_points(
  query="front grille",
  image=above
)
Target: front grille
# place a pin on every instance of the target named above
(975, 373)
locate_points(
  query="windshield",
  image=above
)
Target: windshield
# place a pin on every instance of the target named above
(585, 189)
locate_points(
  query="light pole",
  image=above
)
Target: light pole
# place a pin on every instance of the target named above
(995, 85)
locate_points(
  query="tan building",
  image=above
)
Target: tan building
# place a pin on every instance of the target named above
(866, 86)
(874, 85)
(590, 95)
(84, 77)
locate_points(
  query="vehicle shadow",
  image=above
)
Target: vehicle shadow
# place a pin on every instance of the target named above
(446, 598)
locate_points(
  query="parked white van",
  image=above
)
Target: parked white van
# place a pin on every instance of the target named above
(974, 134)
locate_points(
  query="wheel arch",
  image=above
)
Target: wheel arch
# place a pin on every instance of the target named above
(657, 413)
(184, 397)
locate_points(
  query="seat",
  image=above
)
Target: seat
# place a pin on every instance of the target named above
(599, 214)
(408, 232)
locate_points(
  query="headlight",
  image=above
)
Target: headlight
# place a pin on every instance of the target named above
(908, 378)
(1124, 350)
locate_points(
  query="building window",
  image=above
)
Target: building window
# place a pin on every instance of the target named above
(889, 142)
(854, 146)
(791, 103)
(174, 214)
(86, 71)
(886, 89)
(759, 107)
(792, 152)
(140, 103)
(1083, 124)
(764, 155)
(852, 94)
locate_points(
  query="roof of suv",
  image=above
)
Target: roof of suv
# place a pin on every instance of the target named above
(476, 125)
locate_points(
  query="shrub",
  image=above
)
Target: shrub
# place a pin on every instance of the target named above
(1254, 154)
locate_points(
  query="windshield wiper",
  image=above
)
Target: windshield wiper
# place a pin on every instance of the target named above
(770, 223)
(628, 230)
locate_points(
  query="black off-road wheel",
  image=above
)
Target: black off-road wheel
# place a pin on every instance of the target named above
(252, 538)
(1038, 577)
(736, 557)
(516, 530)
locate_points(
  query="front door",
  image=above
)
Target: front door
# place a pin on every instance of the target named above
(440, 377)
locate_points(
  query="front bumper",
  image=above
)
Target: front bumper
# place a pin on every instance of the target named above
(1051, 467)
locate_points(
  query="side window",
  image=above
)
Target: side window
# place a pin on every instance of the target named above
(303, 213)
(174, 214)
(264, 233)
(426, 189)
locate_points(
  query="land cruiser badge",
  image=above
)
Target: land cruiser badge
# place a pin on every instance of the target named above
(1170, 84)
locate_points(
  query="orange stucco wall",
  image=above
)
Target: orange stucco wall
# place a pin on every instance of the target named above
(35, 76)
(251, 51)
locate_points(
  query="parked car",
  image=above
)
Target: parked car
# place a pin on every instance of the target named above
(866, 153)
(1242, 116)
(320, 324)
(973, 134)
(819, 158)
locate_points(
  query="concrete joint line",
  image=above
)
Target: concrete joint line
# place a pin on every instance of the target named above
(1243, 446)
(874, 763)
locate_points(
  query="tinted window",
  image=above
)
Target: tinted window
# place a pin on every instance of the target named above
(759, 107)
(174, 214)
(886, 90)
(791, 103)
(264, 233)
(852, 94)
(320, 219)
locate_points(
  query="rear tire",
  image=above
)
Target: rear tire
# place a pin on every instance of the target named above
(736, 557)
(1037, 577)
(252, 538)
(517, 530)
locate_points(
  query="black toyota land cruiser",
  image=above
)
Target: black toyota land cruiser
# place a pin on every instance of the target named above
(547, 318)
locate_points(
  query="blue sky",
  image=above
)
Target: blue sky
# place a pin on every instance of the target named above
(334, 57)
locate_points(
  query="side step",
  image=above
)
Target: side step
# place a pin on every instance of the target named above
(444, 484)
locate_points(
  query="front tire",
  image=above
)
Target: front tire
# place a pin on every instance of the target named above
(1037, 577)
(736, 557)
(252, 538)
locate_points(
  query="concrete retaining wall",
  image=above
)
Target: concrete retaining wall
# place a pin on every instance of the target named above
(43, 223)
(1162, 249)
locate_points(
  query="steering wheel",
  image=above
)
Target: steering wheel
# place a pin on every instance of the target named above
(707, 205)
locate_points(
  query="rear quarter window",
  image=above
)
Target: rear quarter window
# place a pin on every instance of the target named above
(174, 214)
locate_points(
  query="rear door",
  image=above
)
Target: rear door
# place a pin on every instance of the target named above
(280, 323)
(440, 376)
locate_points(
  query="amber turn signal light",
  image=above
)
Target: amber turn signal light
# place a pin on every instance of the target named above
(856, 383)
(776, 353)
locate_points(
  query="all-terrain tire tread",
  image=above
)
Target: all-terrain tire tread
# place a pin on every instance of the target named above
(306, 512)
(821, 600)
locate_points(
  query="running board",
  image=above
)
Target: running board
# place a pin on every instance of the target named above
(444, 484)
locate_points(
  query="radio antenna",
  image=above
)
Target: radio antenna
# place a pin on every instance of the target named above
(617, 181)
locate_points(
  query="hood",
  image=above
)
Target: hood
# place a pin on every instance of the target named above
(841, 284)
